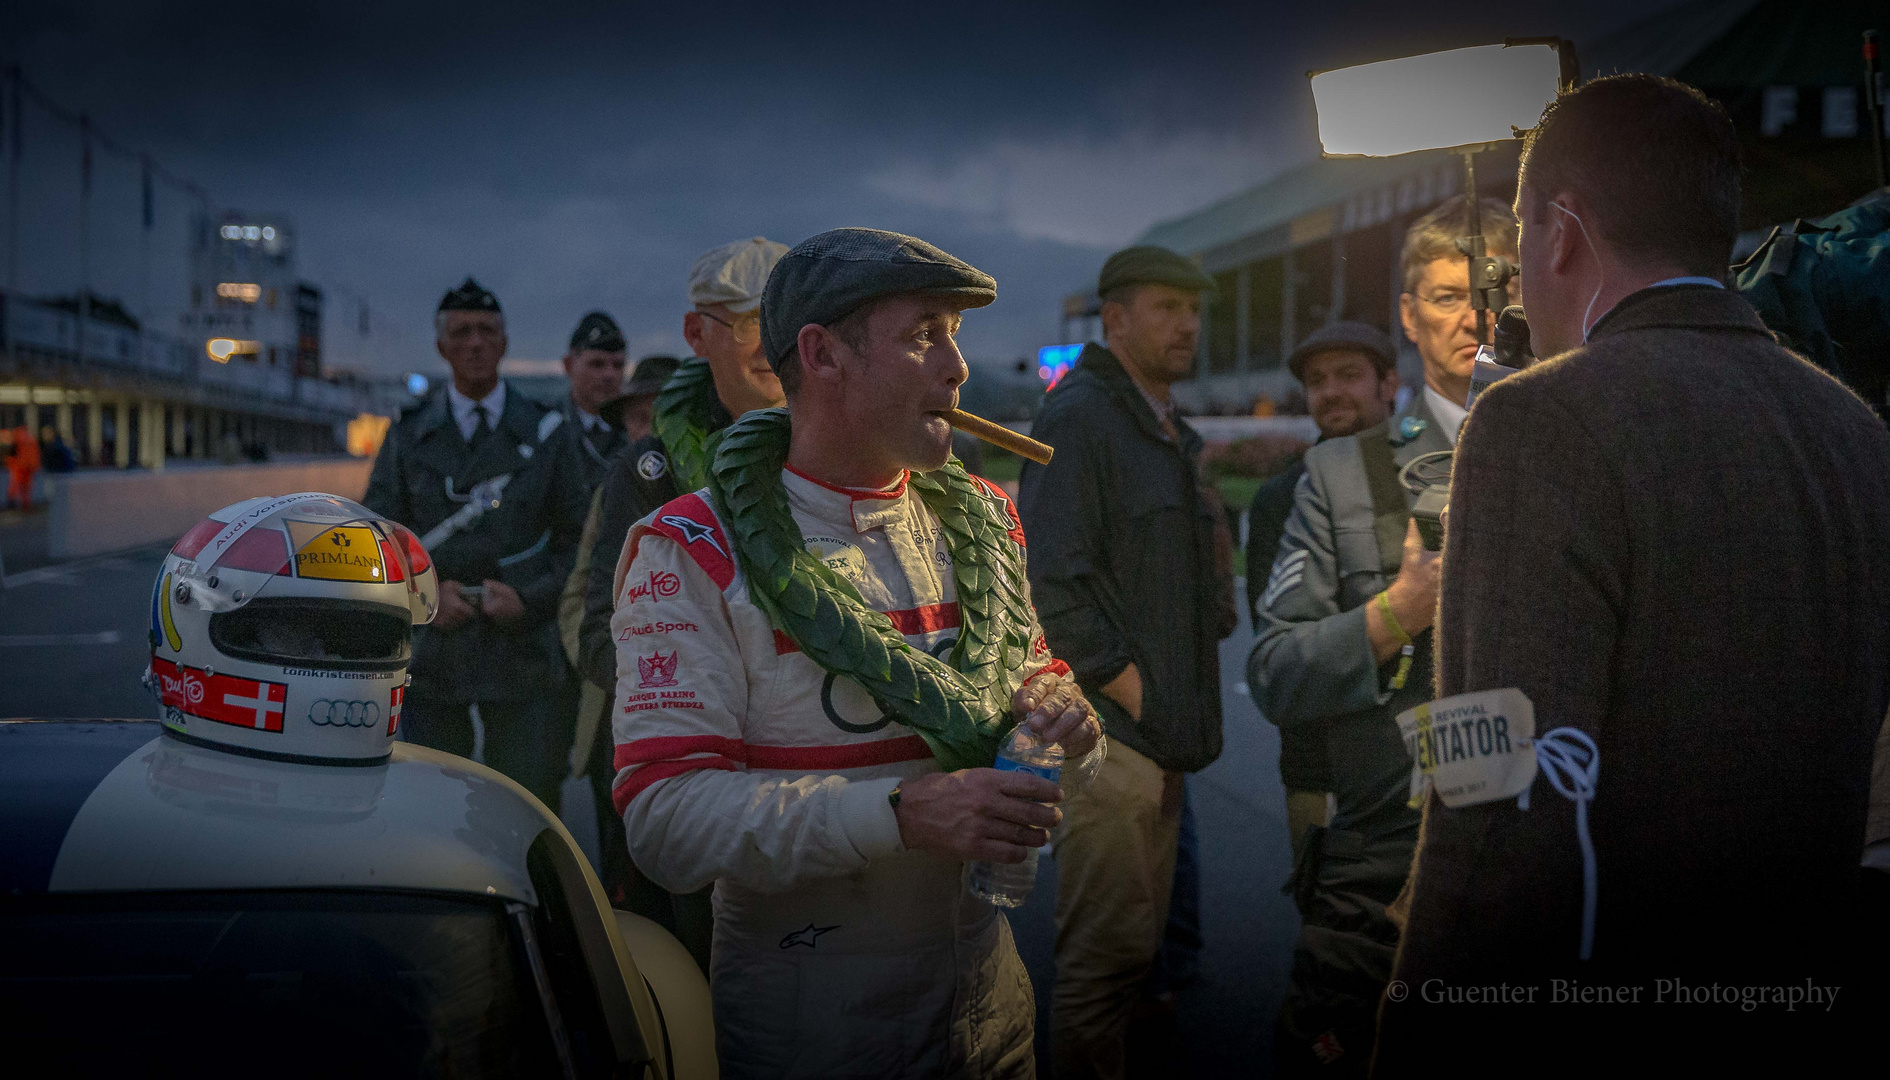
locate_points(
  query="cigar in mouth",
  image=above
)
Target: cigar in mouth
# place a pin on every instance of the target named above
(1000, 436)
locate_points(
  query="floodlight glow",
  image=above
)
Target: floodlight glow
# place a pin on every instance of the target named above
(1457, 98)
(416, 384)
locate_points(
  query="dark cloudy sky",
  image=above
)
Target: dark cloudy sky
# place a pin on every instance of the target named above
(581, 155)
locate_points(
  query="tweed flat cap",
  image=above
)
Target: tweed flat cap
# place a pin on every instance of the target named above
(1148, 265)
(597, 331)
(1350, 336)
(734, 273)
(827, 277)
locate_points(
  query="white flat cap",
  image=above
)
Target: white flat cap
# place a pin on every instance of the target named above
(734, 274)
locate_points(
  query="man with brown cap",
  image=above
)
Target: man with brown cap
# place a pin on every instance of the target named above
(1332, 672)
(1349, 371)
(1131, 569)
(818, 654)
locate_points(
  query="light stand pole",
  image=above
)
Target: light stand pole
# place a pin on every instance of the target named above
(1488, 273)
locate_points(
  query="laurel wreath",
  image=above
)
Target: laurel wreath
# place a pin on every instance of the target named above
(682, 422)
(959, 705)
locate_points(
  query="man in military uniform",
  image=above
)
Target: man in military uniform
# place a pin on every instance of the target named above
(1350, 374)
(1344, 647)
(594, 367)
(727, 377)
(476, 470)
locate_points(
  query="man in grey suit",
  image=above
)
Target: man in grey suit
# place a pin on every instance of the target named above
(1672, 537)
(1344, 647)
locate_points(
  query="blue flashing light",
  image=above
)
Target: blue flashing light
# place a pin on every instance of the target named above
(416, 384)
(1055, 361)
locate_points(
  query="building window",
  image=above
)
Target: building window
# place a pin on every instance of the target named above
(1221, 325)
(1778, 110)
(1263, 313)
(1840, 112)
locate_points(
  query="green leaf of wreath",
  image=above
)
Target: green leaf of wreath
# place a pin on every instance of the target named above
(960, 708)
(682, 422)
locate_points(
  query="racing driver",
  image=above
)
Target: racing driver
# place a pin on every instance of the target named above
(817, 654)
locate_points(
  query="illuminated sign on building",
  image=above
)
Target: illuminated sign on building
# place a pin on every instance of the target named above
(221, 349)
(1055, 361)
(247, 291)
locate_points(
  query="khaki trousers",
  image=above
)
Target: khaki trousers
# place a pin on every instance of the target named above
(1115, 854)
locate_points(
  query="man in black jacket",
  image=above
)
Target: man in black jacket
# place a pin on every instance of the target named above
(1123, 564)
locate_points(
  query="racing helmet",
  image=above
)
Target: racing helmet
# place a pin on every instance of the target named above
(283, 626)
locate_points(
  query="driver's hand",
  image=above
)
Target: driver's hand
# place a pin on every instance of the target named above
(977, 814)
(454, 610)
(1056, 710)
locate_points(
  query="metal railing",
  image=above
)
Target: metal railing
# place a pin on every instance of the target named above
(33, 332)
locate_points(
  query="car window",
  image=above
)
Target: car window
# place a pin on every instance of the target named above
(297, 984)
(569, 972)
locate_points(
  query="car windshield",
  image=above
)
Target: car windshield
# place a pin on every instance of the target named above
(280, 984)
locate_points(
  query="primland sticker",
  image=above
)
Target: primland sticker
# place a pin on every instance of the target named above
(1472, 748)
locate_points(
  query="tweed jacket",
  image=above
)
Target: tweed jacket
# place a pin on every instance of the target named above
(1676, 539)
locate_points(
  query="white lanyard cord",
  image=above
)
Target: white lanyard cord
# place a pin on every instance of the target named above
(1569, 759)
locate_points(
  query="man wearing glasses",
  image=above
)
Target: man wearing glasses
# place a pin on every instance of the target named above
(1344, 647)
(727, 376)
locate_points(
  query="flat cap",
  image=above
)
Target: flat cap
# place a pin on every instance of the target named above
(1349, 336)
(1149, 265)
(597, 331)
(470, 296)
(827, 277)
(734, 273)
(645, 378)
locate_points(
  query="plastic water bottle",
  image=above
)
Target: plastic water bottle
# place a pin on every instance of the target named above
(1009, 884)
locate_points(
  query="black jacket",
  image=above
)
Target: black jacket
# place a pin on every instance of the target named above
(590, 451)
(528, 542)
(637, 482)
(1121, 561)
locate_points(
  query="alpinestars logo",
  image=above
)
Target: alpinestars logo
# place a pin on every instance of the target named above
(656, 670)
(692, 530)
(808, 936)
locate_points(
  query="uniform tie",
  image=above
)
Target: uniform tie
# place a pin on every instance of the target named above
(482, 426)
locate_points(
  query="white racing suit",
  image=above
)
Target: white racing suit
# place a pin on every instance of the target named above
(742, 762)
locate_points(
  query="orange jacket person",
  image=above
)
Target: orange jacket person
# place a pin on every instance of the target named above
(21, 465)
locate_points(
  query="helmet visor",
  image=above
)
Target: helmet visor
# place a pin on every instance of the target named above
(336, 635)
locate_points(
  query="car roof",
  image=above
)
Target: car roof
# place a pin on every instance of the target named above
(103, 805)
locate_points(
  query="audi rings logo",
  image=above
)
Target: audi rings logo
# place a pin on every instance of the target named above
(345, 713)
